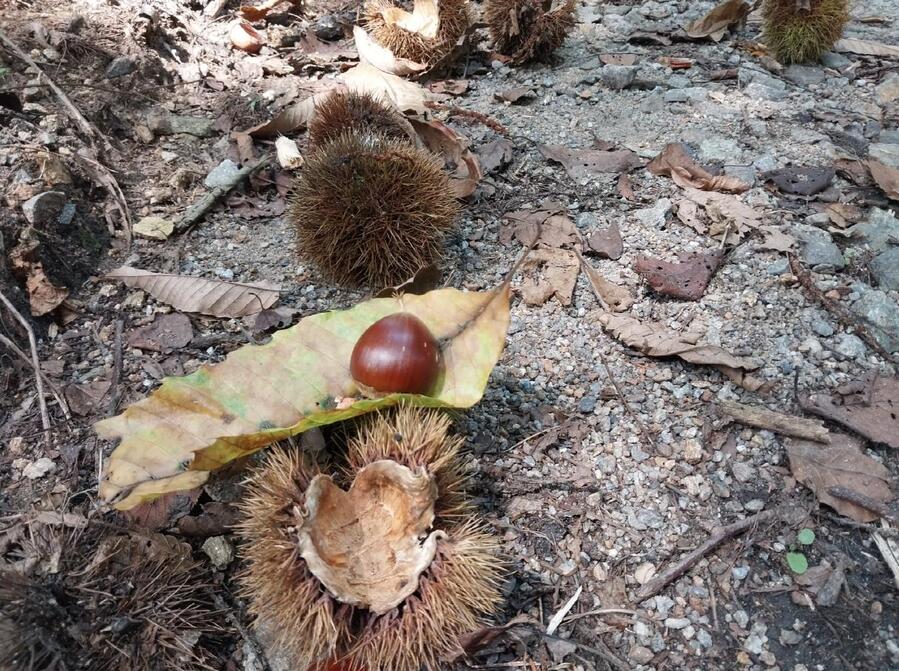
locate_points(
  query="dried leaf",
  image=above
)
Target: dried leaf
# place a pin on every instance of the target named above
(777, 240)
(867, 406)
(625, 190)
(607, 242)
(165, 333)
(292, 118)
(656, 341)
(425, 280)
(300, 379)
(381, 57)
(406, 96)
(273, 319)
(865, 47)
(86, 399)
(195, 294)
(216, 519)
(583, 163)
(716, 23)
(616, 298)
(25, 262)
(687, 279)
(726, 212)
(856, 172)
(462, 164)
(842, 463)
(674, 162)
(801, 181)
(288, 153)
(514, 95)
(688, 214)
(886, 176)
(163, 512)
(335, 534)
(453, 87)
(495, 155)
(154, 228)
(259, 12)
(554, 227)
(553, 272)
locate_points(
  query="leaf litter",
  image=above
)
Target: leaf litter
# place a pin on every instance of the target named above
(869, 406)
(687, 280)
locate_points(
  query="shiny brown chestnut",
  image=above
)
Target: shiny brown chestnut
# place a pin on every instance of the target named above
(396, 354)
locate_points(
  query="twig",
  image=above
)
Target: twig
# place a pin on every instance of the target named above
(244, 632)
(859, 499)
(644, 430)
(199, 209)
(788, 425)
(35, 361)
(842, 313)
(852, 524)
(723, 534)
(116, 368)
(453, 110)
(60, 399)
(86, 126)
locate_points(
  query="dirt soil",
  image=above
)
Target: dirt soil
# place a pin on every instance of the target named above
(599, 467)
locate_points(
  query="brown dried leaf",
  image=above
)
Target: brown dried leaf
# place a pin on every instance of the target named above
(552, 224)
(625, 189)
(423, 281)
(687, 279)
(462, 164)
(292, 118)
(165, 333)
(453, 87)
(381, 57)
(607, 242)
(869, 406)
(514, 95)
(777, 240)
(273, 319)
(886, 176)
(25, 262)
(195, 294)
(259, 12)
(163, 512)
(581, 163)
(674, 162)
(495, 155)
(616, 298)
(726, 212)
(478, 639)
(553, 273)
(688, 213)
(216, 519)
(801, 181)
(364, 544)
(85, 399)
(856, 172)
(716, 23)
(842, 463)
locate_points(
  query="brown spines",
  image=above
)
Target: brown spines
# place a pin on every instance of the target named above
(797, 34)
(454, 20)
(455, 592)
(360, 112)
(371, 210)
(529, 30)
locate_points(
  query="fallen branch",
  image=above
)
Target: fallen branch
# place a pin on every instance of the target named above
(787, 425)
(841, 312)
(199, 209)
(35, 362)
(484, 119)
(721, 535)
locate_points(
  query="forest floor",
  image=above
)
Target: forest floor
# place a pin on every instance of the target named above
(599, 466)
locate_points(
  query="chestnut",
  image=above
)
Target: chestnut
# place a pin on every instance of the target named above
(396, 354)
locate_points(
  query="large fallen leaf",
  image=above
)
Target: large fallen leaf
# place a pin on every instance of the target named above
(865, 47)
(687, 279)
(461, 162)
(869, 406)
(656, 341)
(195, 294)
(843, 464)
(549, 272)
(406, 96)
(727, 213)
(674, 162)
(886, 176)
(716, 23)
(297, 381)
(582, 163)
(381, 57)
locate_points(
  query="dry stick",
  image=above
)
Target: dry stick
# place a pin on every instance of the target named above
(843, 315)
(117, 368)
(788, 425)
(671, 574)
(60, 400)
(86, 126)
(198, 210)
(486, 120)
(35, 362)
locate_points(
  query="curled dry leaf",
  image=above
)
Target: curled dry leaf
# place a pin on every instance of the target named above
(727, 213)
(260, 11)
(616, 298)
(550, 272)
(245, 37)
(687, 279)
(364, 545)
(716, 23)
(657, 341)
(288, 153)
(191, 425)
(842, 463)
(674, 162)
(869, 406)
(583, 163)
(406, 96)
(383, 58)
(462, 164)
(195, 294)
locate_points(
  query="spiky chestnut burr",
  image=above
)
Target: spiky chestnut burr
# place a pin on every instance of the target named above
(372, 211)
(801, 31)
(454, 20)
(529, 30)
(314, 623)
(360, 112)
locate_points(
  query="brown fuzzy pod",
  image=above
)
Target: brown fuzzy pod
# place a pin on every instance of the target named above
(359, 112)
(454, 20)
(529, 30)
(315, 623)
(370, 210)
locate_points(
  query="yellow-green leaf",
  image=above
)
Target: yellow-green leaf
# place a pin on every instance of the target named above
(191, 425)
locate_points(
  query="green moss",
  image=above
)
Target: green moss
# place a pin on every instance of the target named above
(796, 35)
